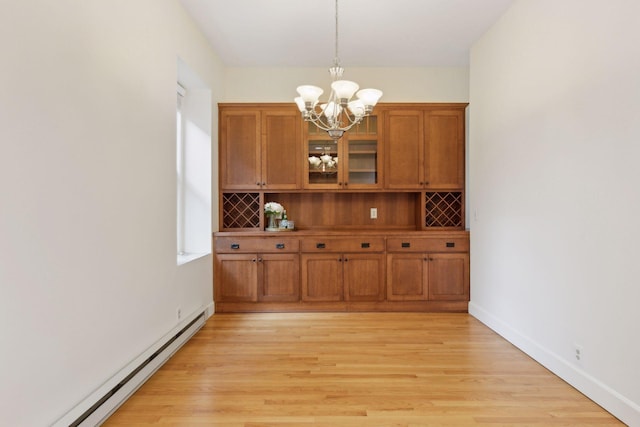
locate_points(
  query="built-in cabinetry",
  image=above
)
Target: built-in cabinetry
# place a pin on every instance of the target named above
(379, 213)
(387, 271)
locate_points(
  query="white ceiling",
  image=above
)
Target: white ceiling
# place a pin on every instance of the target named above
(372, 33)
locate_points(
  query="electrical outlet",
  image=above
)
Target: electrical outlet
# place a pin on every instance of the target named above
(373, 213)
(179, 313)
(578, 354)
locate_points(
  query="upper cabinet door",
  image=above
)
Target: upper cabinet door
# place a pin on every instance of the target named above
(260, 148)
(362, 159)
(424, 148)
(281, 149)
(404, 149)
(444, 135)
(240, 149)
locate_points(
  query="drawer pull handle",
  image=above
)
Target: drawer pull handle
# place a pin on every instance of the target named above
(405, 244)
(365, 245)
(451, 244)
(279, 245)
(320, 246)
(235, 246)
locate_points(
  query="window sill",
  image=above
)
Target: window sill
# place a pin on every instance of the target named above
(186, 257)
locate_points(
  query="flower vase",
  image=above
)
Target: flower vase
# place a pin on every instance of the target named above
(272, 226)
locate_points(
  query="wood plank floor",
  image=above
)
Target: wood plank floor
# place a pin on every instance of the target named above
(354, 369)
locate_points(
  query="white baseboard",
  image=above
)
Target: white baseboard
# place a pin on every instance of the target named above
(617, 404)
(113, 394)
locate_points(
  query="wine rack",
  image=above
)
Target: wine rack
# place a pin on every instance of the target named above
(444, 209)
(241, 211)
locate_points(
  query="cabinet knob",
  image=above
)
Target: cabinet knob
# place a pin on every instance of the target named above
(253, 260)
(259, 259)
(264, 183)
(346, 259)
(258, 184)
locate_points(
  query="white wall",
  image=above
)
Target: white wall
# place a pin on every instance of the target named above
(397, 84)
(554, 178)
(88, 275)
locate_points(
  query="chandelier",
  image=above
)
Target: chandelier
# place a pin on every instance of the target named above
(340, 113)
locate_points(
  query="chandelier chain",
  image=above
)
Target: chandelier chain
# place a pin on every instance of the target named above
(336, 59)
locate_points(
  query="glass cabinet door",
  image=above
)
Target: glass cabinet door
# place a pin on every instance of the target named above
(363, 159)
(353, 161)
(323, 162)
(363, 162)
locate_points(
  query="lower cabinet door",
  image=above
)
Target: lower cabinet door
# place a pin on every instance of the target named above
(449, 277)
(279, 277)
(236, 277)
(322, 277)
(407, 277)
(364, 277)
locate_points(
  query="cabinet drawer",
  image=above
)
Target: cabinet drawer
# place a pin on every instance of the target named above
(353, 244)
(429, 244)
(256, 244)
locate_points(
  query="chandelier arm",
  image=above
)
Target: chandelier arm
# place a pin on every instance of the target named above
(340, 117)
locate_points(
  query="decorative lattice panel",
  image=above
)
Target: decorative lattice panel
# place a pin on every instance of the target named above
(241, 210)
(443, 209)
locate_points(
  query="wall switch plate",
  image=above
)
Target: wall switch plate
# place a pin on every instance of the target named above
(373, 213)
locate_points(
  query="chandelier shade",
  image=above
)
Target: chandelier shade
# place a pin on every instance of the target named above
(342, 111)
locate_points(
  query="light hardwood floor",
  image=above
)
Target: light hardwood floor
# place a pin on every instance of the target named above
(354, 369)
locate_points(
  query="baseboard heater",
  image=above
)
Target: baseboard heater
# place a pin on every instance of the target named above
(114, 398)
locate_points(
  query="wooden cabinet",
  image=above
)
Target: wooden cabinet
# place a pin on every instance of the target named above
(260, 147)
(433, 269)
(352, 162)
(407, 277)
(379, 214)
(342, 277)
(236, 277)
(342, 269)
(387, 271)
(257, 270)
(448, 277)
(322, 277)
(364, 277)
(424, 148)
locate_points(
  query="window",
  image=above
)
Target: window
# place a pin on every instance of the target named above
(193, 166)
